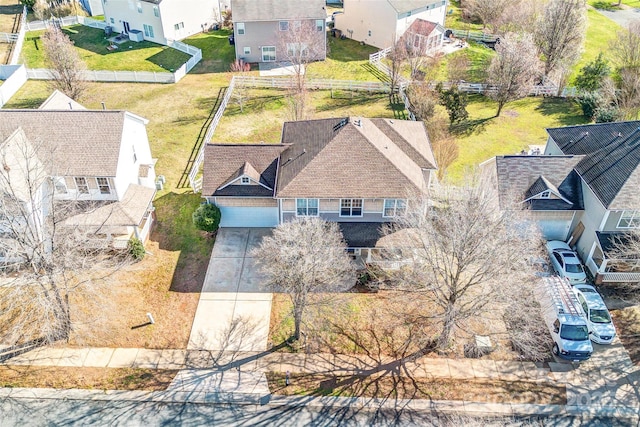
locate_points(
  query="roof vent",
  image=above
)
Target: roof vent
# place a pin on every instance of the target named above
(70, 106)
(358, 122)
(342, 123)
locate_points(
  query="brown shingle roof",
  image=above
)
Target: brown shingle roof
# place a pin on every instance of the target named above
(223, 162)
(344, 157)
(273, 10)
(422, 27)
(80, 143)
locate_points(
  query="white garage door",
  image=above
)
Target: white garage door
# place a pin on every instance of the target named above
(248, 217)
(555, 229)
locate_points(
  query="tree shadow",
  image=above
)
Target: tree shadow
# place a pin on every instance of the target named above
(468, 127)
(561, 110)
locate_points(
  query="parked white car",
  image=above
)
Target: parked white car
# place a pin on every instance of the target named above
(601, 328)
(566, 262)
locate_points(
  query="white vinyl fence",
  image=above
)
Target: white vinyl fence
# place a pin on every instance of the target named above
(17, 47)
(14, 77)
(109, 76)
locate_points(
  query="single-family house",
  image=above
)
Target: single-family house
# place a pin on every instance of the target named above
(100, 159)
(93, 7)
(354, 171)
(596, 203)
(273, 30)
(162, 20)
(381, 23)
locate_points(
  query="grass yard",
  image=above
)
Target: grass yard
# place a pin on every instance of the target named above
(217, 53)
(393, 386)
(522, 123)
(10, 11)
(346, 60)
(601, 31)
(85, 378)
(92, 46)
(613, 4)
(267, 109)
(5, 53)
(479, 57)
(454, 18)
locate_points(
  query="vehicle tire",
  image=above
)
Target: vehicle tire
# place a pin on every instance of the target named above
(556, 350)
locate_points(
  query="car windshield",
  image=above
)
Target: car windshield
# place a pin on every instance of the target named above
(574, 268)
(574, 333)
(600, 316)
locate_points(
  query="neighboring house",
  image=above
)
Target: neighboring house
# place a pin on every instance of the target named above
(93, 7)
(99, 158)
(381, 23)
(262, 28)
(606, 158)
(163, 20)
(423, 37)
(355, 171)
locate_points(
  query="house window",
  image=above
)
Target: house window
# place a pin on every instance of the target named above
(284, 26)
(268, 53)
(60, 185)
(103, 185)
(156, 11)
(245, 180)
(135, 158)
(307, 207)
(369, 33)
(148, 30)
(179, 26)
(629, 219)
(247, 50)
(319, 25)
(351, 207)
(113, 21)
(81, 185)
(394, 207)
(545, 194)
(294, 48)
(139, 7)
(240, 27)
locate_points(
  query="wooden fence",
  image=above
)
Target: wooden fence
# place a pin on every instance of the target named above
(478, 36)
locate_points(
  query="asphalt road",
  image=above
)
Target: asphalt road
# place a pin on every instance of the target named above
(32, 412)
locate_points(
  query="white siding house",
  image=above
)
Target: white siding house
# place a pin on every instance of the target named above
(162, 20)
(380, 23)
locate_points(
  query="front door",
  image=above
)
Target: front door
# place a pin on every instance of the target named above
(268, 53)
(126, 26)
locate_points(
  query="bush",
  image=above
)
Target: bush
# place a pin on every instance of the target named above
(589, 102)
(207, 218)
(607, 114)
(136, 249)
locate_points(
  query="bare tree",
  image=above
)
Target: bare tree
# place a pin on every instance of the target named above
(513, 70)
(52, 275)
(560, 34)
(489, 12)
(298, 44)
(423, 101)
(625, 48)
(626, 55)
(444, 145)
(465, 252)
(397, 61)
(306, 255)
(67, 69)
(240, 68)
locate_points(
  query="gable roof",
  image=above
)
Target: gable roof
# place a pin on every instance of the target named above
(521, 177)
(59, 101)
(78, 142)
(353, 157)
(611, 159)
(423, 27)
(273, 10)
(403, 6)
(225, 162)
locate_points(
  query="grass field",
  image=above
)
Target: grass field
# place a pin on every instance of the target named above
(454, 19)
(346, 60)
(10, 11)
(613, 4)
(92, 46)
(217, 53)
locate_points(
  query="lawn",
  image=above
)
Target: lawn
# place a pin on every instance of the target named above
(92, 46)
(601, 31)
(613, 4)
(5, 53)
(267, 109)
(346, 60)
(217, 53)
(454, 18)
(10, 11)
(479, 57)
(522, 123)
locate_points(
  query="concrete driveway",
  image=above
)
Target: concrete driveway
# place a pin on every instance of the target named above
(234, 311)
(622, 17)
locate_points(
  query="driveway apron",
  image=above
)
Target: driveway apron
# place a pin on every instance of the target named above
(233, 312)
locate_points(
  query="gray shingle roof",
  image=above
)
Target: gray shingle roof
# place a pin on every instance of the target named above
(274, 10)
(518, 175)
(402, 6)
(362, 234)
(355, 157)
(610, 165)
(78, 142)
(222, 163)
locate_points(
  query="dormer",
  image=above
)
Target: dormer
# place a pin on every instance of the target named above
(543, 189)
(246, 175)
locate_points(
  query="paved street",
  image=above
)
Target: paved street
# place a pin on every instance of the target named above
(234, 311)
(622, 17)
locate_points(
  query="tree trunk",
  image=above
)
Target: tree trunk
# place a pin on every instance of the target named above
(298, 307)
(447, 326)
(500, 105)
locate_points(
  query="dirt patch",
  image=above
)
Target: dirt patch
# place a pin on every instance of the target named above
(398, 387)
(86, 378)
(627, 322)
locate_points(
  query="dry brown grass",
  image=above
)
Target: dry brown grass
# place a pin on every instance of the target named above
(381, 325)
(399, 387)
(627, 322)
(90, 378)
(10, 11)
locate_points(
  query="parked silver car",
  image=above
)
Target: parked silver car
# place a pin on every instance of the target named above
(566, 262)
(601, 328)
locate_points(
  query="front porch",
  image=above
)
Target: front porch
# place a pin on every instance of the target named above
(607, 270)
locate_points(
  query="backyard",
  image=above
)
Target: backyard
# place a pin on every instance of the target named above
(92, 46)
(10, 12)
